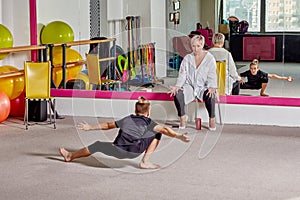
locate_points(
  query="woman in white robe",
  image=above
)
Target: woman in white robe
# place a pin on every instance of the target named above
(197, 79)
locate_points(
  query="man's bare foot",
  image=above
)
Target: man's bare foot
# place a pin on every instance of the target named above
(64, 153)
(264, 94)
(148, 165)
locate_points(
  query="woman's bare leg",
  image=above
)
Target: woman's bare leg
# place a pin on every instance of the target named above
(145, 163)
(69, 156)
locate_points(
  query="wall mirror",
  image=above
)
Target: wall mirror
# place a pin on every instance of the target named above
(267, 20)
(283, 24)
(285, 61)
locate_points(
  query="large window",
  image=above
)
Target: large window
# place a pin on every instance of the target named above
(282, 15)
(278, 15)
(248, 10)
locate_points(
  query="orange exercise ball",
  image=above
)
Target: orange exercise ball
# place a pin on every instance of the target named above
(4, 105)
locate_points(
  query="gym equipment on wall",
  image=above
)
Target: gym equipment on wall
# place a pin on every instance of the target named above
(140, 69)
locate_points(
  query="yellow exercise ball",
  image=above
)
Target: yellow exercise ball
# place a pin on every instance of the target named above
(57, 32)
(18, 86)
(71, 72)
(6, 40)
(71, 56)
(82, 76)
(13, 85)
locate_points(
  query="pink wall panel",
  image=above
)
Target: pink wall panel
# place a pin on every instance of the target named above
(263, 47)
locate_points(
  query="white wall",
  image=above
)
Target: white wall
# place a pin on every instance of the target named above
(190, 14)
(115, 10)
(142, 9)
(209, 16)
(74, 12)
(158, 35)
(17, 21)
(1, 10)
(116, 17)
(165, 110)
